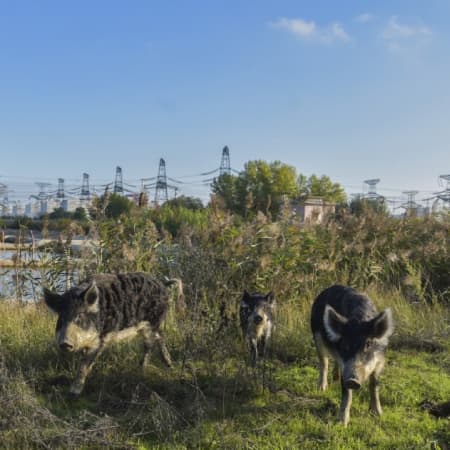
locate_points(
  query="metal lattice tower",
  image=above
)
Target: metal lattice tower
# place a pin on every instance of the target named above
(85, 193)
(3, 198)
(60, 193)
(161, 194)
(4, 192)
(445, 195)
(43, 194)
(225, 167)
(411, 204)
(372, 192)
(118, 182)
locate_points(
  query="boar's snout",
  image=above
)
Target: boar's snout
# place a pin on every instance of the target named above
(352, 383)
(66, 347)
(257, 319)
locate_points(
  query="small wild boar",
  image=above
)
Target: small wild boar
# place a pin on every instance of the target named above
(256, 315)
(108, 308)
(347, 327)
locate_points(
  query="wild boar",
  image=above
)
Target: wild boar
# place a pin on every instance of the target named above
(347, 327)
(108, 308)
(257, 317)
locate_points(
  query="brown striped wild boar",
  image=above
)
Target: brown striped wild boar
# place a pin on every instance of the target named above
(347, 327)
(108, 308)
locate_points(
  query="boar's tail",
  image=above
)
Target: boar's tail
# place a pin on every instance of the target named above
(180, 302)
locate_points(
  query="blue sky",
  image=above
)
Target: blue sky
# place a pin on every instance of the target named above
(351, 89)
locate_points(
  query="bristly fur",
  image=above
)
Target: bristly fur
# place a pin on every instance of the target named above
(108, 308)
(124, 300)
(256, 317)
(347, 327)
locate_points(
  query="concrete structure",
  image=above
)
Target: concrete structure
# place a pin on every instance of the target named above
(312, 209)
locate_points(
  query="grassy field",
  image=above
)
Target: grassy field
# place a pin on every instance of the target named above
(212, 398)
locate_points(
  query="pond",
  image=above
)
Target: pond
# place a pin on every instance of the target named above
(25, 283)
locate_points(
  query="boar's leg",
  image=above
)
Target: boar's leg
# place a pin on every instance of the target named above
(336, 372)
(165, 355)
(346, 403)
(150, 338)
(87, 362)
(374, 390)
(323, 362)
(253, 343)
(262, 347)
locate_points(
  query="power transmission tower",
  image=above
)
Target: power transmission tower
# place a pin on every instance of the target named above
(3, 198)
(42, 196)
(225, 166)
(118, 182)
(372, 192)
(60, 192)
(445, 194)
(161, 194)
(4, 192)
(410, 205)
(85, 193)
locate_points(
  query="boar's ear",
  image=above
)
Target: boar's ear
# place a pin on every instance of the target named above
(245, 298)
(91, 297)
(333, 323)
(383, 325)
(270, 297)
(52, 300)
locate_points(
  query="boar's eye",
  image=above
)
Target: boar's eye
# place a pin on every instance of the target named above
(368, 345)
(82, 320)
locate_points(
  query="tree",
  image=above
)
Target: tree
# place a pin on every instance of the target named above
(360, 205)
(185, 201)
(59, 213)
(261, 186)
(80, 214)
(224, 188)
(321, 187)
(118, 205)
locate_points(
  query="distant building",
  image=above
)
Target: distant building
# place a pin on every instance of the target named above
(312, 209)
(37, 208)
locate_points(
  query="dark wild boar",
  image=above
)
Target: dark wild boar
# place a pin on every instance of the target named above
(108, 308)
(347, 327)
(256, 315)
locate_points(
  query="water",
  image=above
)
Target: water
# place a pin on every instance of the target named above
(25, 283)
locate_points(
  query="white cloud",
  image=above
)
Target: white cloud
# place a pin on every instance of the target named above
(298, 27)
(396, 30)
(309, 31)
(338, 32)
(364, 18)
(400, 36)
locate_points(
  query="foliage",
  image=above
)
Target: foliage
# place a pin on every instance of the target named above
(261, 186)
(177, 220)
(360, 205)
(118, 205)
(184, 201)
(323, 187)
(212, 399)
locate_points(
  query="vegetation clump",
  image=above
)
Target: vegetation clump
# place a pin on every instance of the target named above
(212, 398)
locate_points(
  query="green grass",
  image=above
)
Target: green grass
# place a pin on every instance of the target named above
(211, 399)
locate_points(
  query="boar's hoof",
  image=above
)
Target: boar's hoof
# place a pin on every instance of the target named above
(76, 389)
(376, 411)
(352, 384)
